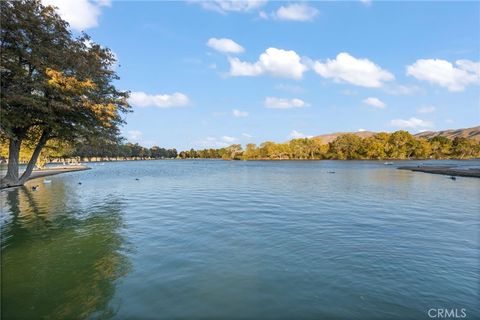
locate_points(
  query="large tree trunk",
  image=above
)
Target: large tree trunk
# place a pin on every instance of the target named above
(11, 178)
(33, 160)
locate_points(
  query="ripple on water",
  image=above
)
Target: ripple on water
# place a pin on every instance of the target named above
(213, 239)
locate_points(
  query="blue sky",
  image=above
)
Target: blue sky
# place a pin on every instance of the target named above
(209, 74)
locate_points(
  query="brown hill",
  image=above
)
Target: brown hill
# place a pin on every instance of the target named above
(326, 138)
(470, 133)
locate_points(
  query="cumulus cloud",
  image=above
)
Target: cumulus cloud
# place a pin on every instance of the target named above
(134, 135)
(142, 99)
(240, 68)
(225, 45)
(296, 12)
(80, 14)
(411, 123)
(361, 130)
(374, 102)
(445, 74)
(360, 72)
(239, 114)
(281, 103)
(294, 134)
(225, 6)
(276, 62)
(427, 109)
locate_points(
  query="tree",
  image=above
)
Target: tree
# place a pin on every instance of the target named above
(400, 145)
(465, 148)
(441, 147)
(232, 152)
(53, 86)
(376, 145)
(346, 147)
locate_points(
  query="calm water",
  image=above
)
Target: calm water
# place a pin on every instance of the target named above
(218, 239)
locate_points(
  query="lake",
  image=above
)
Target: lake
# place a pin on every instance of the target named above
(241, 239)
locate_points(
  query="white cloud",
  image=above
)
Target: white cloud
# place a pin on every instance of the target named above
(246, 135)
(225, 45)
(411, 123)
(263, 15)
(281, 103)
(366, 2)
(361, 130)
(427, 109)
(80, 14)
(229, 139)
(211, 142)
(374, 102)
(239, 114)
(360, 72)
(445, 74)
(223, 6)
(239, 68)
(134, 135)
(214, 142)
(469, 66)
(294, 134)
(142, 99)
(296, 12)
(276, 62)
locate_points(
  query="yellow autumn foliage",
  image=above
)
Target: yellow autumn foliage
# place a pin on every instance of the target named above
(105, 112)
(58, 80)
(68, 84)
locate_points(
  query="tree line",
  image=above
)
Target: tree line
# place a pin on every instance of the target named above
(397, 145)
(56, 151)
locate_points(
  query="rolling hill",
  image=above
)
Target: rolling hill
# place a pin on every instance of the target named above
(471, 133)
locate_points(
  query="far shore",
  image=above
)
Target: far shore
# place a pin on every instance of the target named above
(444, 170)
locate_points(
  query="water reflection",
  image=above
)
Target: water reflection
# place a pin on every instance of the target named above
(57, 260)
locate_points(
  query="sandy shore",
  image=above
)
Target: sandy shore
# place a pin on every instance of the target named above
(56, 170)
(450, 171)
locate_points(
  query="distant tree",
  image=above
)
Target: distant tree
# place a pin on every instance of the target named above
(400, 145)
(465, 148)
(375, 147)
(346, 147)
(421, 148)
(441, 147)
(232, 152)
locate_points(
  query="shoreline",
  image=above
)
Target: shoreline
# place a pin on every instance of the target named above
(56, 170)
(51, 172)
(444, 170)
